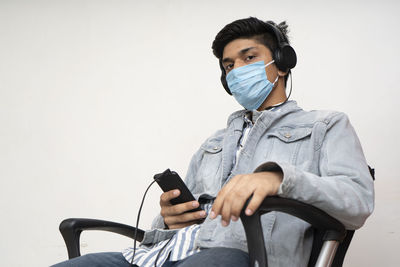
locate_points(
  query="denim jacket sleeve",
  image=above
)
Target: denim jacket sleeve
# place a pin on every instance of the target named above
(344, 189)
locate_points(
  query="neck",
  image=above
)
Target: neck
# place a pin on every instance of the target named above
(277, 95)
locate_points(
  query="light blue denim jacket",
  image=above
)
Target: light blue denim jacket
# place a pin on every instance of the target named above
(322, 163)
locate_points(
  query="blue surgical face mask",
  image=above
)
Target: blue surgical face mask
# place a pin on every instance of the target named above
(249, 84)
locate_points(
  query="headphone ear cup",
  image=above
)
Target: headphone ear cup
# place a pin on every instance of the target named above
(223, 78)
(289, 56)
(278, 60)
(285, 58)
(224, 83)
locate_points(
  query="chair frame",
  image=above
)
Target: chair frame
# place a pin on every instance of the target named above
(330, 243)
(328, 232)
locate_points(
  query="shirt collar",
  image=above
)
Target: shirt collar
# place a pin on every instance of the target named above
(253, 115)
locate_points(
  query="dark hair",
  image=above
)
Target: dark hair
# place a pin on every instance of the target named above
(251, 28)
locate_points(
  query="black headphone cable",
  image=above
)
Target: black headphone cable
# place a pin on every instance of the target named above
(137, 221)
(287, 98)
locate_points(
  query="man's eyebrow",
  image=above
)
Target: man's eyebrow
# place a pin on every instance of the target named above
(242, 52)
(245, 50)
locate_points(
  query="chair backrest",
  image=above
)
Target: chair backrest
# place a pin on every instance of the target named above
(326, 227)
(340, 252)
(321, 222)
(344, 245)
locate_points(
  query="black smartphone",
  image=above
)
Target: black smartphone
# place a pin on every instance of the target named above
(170, 180)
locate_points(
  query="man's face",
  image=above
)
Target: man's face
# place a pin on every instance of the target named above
(241, 52)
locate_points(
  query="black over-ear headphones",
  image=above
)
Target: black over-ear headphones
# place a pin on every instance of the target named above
(284, 55)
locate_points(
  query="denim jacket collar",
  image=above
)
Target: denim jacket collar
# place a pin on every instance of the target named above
(235, 120)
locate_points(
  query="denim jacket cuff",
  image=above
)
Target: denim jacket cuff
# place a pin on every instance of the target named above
(288, 175)
(157, 235)
(158, 222)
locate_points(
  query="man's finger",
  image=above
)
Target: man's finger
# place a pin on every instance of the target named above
(173, 210)
(225, 212)
(255, 202)
(238, 202)
(184, 207)
(185, 217)
(234, 202)
(180, 225)
(217, 205)
(167, 196)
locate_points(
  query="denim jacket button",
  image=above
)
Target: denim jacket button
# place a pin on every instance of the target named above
(287, 135)
(216, 148)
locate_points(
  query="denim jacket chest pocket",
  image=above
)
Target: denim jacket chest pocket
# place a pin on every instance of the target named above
(290, 144)
(209, 168)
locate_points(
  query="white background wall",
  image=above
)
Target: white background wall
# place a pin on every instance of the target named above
(97, 96)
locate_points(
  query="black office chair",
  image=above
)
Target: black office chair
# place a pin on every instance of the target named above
(330, 244)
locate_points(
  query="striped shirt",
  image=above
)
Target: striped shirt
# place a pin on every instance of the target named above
(180, 246)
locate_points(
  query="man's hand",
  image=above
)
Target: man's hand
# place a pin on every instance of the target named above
(232, 197)
(174, 215)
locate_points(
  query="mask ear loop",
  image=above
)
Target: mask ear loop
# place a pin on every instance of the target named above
(277, 77)
(291, 83)
(287, 98)
(269, 63)
(266, 65)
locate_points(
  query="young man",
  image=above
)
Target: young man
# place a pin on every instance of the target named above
(314, 157)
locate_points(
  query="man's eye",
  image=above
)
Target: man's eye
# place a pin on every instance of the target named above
(250, 58)
(229, 66)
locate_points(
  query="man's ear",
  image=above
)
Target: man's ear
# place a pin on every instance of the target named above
(282, 73)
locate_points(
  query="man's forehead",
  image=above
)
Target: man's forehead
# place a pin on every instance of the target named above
(240, 52)
(240, 46)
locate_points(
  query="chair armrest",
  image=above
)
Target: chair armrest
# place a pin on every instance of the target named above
(71, 230)
(320, 220)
